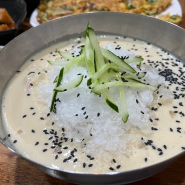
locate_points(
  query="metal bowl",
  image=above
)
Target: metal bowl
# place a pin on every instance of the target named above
(160, 33)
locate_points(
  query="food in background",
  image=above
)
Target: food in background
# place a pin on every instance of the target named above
(6, 22)
(53, 9)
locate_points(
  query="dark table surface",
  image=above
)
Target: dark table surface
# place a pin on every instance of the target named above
(15, 170)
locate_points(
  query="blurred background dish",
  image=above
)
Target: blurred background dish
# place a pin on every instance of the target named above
(17, 11)
(172, 13)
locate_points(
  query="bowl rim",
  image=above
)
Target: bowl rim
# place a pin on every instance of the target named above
(84, 173)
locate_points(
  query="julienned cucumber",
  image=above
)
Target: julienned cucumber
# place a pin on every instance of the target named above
(124, 111)
(65, 55)
(69, 85)
(76, 60)
(134, 59)
(120, 83)
(115, 59)
(89, 57)
(99, 62)
(59, 80)
(58, 63)
(100, 72)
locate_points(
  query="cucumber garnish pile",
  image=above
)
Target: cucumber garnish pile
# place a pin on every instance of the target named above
(105, 70)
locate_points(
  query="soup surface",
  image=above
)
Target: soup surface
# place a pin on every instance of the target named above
(88, 136)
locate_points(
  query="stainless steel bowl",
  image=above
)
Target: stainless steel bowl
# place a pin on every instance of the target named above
(160, 33)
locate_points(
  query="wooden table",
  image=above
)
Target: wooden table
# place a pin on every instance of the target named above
(15, 170)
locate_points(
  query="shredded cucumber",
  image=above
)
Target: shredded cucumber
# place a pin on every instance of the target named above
(70, 85)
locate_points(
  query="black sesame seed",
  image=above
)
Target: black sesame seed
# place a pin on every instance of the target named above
(75, 160)
(154, 147)
(90, 165)
(63, 129)
(8, 135)
(44, 150)
(177, 121)
(114, 160)
(59, 152)
(86, 117)
(151, 120)
(33, 131)
(41, 118)
(34, 113)
(36, 143)
(165, 147)
(53, 123)
(159, 150)
(64, 160)
(160, 104)
(28, 94)
(112, 169)
(78, 94)
(31, 108)
(83, 108)
(48, 114)
(65, 148)
(98, 114)
(161, 153)
(137, 101)
(142, 112)
(171, 129)
(24, 116)
(145, 159)
(76, 114)
(84, 165)
(92, 158)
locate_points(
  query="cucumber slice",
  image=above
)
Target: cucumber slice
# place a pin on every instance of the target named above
(124, 111)
(65, 55)
(56, 79)
(99, 62)
(120, 83)
(59, 80)
(76, 60)
(70, 85)
(100, 72)
(134, 59)
(89, 57)
(58, 63)
(113, 58)
(133, 79)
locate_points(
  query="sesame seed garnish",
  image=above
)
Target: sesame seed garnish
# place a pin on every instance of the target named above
(60, 152)
(65, 148)
(119, 166)
(76, 114)
(53, 123)
(114, 160)
(31, 108)
(112, 169)
(83, 108)
(180, 104)
(84, 165)
(34, 113)
(151, 120)
(75, 160)
(46, 143)
(64, 160)
(33, 131)
(36, 143)
(90, 165)
(92, 158)
(177, 121)
(63, 129)
(15, 141)
(98, 114)
(137, 101)
(24, 116)
(142, 112)
(165, 147)
(160, 104)
(45, 150)
(171, 129)
(48, 114)
(161, 153)
(28, 94)
(78, 94)
(41, 118)
(86, 117)
(145, 159)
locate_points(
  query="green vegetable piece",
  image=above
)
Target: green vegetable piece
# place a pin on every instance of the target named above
(58, 63)
(115, 59)
(124, 111)
(65, 55)
(69, 85)
(59, 80)
(120, 83)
